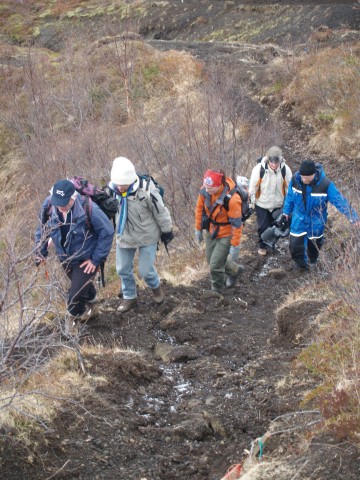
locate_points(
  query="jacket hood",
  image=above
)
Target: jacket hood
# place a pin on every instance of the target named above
(265, 161)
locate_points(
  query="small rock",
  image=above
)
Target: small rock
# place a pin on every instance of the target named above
(183, 353)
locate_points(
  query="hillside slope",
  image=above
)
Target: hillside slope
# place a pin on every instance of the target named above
(181, 390)
(213, 375)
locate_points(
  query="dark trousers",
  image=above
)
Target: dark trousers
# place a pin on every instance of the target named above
(304, 250)
(264, 220)
(81, 289)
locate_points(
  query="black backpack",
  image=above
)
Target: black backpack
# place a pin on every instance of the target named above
(106, 202)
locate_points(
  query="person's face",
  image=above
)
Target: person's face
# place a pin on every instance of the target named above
(274, 163)
(307, 179)
(66, 207)
(122, 188)
(211, 190)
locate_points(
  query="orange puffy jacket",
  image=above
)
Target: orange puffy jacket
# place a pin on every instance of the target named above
(229, 222)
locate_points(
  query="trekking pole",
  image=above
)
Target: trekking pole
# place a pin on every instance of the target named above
(166, 248)
(102, 274)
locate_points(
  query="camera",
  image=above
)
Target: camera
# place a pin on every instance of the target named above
(279, 229)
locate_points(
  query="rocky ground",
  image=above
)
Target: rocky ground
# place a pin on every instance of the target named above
(213, 375)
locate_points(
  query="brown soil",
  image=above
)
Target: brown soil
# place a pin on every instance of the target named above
(211, 379)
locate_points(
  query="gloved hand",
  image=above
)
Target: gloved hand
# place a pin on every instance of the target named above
(199, 236)
(234, 252)
(39, 260)
(166, 237)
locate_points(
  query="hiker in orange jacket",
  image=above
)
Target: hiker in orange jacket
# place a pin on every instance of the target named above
(218, 211)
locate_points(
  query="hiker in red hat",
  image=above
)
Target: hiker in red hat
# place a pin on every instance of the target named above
(218, 211)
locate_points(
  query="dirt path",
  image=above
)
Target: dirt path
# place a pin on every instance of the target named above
(209, 382)
(211, 378)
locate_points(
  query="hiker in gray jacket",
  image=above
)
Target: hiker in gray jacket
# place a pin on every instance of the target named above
(142, 221)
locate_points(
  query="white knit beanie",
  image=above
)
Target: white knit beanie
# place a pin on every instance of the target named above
(123, 172)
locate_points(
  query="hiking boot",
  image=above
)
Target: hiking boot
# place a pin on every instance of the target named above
(93, 300)
(231, 279)
(127, 304)
(90, 313)
(71, 327)
(262, 252)
(158, 294)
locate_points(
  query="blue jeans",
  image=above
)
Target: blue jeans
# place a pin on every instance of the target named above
(125, 268)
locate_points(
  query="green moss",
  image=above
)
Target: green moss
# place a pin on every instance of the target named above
(326, 117)
(36, 32)
(45, 13)
(274, 88)
(351, 61)
(16, 27)
(149, 72)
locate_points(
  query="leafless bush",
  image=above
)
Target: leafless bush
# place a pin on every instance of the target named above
(335, 356)
(31, 318)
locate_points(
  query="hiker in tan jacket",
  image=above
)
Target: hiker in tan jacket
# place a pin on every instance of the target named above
(268, 188)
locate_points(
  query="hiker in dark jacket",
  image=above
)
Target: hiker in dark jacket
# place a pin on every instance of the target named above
(142, 221)
(307, 200)
(81, 245)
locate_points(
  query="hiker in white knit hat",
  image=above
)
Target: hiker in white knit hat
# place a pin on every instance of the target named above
(142, 221)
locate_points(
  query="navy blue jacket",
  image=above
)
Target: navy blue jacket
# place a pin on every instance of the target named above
(84, 241)
(308, 204)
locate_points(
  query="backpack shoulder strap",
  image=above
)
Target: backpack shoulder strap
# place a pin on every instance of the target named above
(46, 213)
(262, 171)
(228, 197)
(283, 171)
(87, 204)
(258, 183)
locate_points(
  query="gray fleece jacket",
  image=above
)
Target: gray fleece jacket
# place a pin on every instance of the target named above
(147, 218)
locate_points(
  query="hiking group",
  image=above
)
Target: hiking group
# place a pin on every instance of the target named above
(284, 204)
(76, 218)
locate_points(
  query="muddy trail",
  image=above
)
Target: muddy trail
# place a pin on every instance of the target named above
(180, 390)
(210, 379)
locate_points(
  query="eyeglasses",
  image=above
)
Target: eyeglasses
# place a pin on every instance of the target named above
(274, 159)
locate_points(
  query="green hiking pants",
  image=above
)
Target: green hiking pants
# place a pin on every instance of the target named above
(217, 251)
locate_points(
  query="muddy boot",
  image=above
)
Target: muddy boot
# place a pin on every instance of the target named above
(158, 294)
(71, 327)
(231, 279)
(91, 312)
(127, 304)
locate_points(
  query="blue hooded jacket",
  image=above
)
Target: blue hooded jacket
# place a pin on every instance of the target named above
(83, 241)
(308, 204)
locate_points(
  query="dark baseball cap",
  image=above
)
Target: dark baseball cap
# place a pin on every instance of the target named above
(62, 193)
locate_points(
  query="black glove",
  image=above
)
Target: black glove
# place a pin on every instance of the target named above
(166, 237)
(39, 260)
(282, 222)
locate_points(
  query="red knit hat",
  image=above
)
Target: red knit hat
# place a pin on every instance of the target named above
(213, 179)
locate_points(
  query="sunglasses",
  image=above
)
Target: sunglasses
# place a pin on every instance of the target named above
(274, 159)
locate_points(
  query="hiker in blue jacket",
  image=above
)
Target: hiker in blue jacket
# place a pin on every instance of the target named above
(82, 241)
(307, 200)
